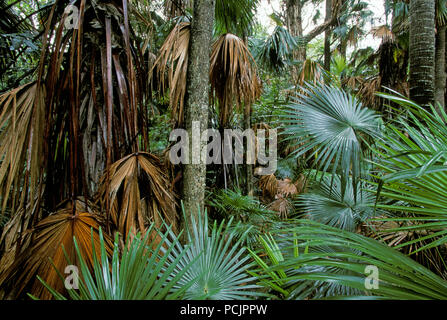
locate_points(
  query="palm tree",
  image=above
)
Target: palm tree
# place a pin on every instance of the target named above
(197, 100)
(62, 132)
(422, 51)
(440, 54)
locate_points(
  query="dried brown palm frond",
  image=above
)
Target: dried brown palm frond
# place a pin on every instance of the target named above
(286, 188)
(311, 72)
(139, 194)
(22, 123)
(173, 62)
(269, 185)
(233, 76)
(383, 32)
(367, 91)
(353, 82)
(282, 206)
(48, 241)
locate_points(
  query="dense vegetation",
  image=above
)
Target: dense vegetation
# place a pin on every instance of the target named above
(90, 92)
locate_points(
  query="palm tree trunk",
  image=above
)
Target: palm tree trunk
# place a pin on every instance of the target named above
(327, 38)
(197, 104)
(422, 51)
(440, 76)
(294, 23)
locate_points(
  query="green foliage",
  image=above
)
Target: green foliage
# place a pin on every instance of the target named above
(275, 53)
(332, 126)
(210, 266)
(121, 277)
(235, 16)
(279, 280)
(253, 217)
(159, 133)
(220, 270)
(340, 257)
(288, 168)
(414, 184)
(326, 204)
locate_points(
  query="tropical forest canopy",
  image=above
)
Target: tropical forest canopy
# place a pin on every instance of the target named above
(110, 111)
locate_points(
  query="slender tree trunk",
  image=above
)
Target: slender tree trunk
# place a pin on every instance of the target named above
(197, 100)
(327, 38)
(422, 51)
(294, 23)
(343, 46)
(440, 74)
(249, 167)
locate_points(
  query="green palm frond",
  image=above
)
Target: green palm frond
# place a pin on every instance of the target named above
(350, 262)
(279, 249)
(220, 271)
(413, 155)
(275, 53)
(333, 127)
(326, 204)
(235, 16)
(139, 272)
(254, 217)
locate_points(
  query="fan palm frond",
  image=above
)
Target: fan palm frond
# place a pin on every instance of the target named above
(220, 268)
(48, 241)
(137, 273)
(233, 76)
(173, 63)
(22, 120)
(372, 269)
(277, 50)
(324, 203)
(235, 16)
(413, 156)
(334, 127)
(139, 191)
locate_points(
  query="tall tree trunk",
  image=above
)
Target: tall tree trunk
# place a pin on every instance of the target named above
(445, 94)
(294, 23)
(422, 51)
(327, 38)
(197, 100)
(440, 74)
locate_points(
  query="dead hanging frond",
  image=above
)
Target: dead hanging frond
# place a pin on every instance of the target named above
(311, 72)
(139, 194)
(172, 63)
(269, 185)
(282, 206)
(383, 32)
(48, 241)
(286, 188)
(22, 123)
(367, 91)
(233, 76)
